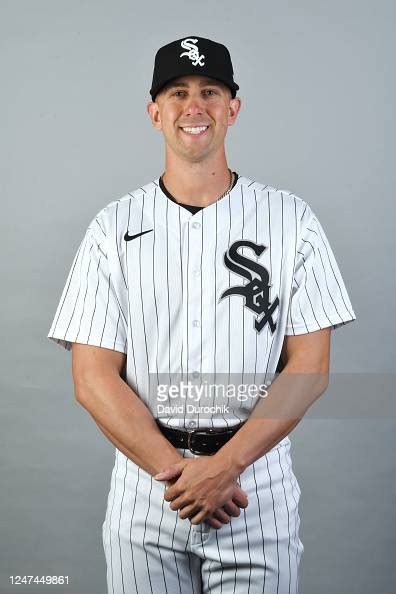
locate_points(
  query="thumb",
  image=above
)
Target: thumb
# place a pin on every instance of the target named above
(171, 472)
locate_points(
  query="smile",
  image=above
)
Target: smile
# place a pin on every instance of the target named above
(196, 131)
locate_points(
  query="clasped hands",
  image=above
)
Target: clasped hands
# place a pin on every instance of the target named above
(203, 489)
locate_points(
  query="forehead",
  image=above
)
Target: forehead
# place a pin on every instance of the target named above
(194, 79)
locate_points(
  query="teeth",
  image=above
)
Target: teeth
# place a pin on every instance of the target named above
(195, 130)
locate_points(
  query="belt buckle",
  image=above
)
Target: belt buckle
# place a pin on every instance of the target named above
(190, 433)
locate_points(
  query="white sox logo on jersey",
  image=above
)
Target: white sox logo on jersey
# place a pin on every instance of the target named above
(192, 53)
(256, 291)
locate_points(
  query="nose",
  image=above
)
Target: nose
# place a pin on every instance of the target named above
(194, 105)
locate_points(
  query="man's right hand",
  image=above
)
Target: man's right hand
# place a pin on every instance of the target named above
(232, 507)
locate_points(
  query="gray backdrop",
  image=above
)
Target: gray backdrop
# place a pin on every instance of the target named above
(317, 87)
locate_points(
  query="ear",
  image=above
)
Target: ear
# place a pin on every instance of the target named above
(154, 114)
(234, 108)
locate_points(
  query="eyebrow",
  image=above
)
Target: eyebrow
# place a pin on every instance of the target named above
(206, 83)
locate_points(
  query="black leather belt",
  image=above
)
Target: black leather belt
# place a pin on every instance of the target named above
(199, 441)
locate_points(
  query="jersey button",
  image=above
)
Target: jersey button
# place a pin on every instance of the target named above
(197, 272)
(192, 424)
(196, 225)
(196, 323)
(195, 374)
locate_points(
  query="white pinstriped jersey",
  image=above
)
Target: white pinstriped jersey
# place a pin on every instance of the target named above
(211, 292)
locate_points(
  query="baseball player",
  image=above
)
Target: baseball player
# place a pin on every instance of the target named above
(201, 274)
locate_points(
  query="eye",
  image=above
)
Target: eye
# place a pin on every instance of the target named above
(176, 93)
(211, 91)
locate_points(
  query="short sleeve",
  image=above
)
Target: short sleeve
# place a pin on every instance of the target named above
(88, 311)
(319, 298)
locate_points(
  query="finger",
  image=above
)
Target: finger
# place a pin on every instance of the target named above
(180, 503)
(198, 518)
(214, 523)
(232, 509)
(239, 497)
(170, 482)
(222, 516)
(187, 512)
(172, 492)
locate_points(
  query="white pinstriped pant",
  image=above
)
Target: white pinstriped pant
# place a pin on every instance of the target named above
(149, 549)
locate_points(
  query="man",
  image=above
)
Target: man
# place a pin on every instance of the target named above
(201, 274)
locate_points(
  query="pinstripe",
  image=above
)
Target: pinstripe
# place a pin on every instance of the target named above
(100, 226)
(144, 533)
(302, 314)
(129, 311)
(209, 574)
(248, 548)
(200, 318)
(295, 252)
(295, 521)
(130, 527)
(201, 298)
(221, 564)
(83, 244)
(187, 299)
(182, 286)
(316, 281)
(243, 316)
(276, 527)
(167, 292)
(280, 272)
(271, 275)
(155, 293)
(84, 300)
(174, 554)
(119, 527)
(122, 272)
(158, 546)
(288, 515)
(182, 301)
(96, 294)
(260, 521)
(118, 320)
(325, 277)
(256, 240)
(110, 566)
(229, 301)
(247, 540)
(302, 216)
(215, 260)
(189, 557)
(116, 243)
(270, 272)
(234, 555)
(141, 288)
(336, 277)
(321, 297)
(306, 289)
(215, 344)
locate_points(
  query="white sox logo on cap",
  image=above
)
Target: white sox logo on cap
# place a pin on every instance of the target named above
(193, 52)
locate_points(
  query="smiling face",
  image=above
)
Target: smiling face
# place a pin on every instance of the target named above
(194, 112)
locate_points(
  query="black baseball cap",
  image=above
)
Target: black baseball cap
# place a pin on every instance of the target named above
(192, 55)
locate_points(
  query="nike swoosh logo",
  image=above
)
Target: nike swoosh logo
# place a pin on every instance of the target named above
(130, 237)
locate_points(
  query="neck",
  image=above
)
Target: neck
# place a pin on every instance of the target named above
(198, 184)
